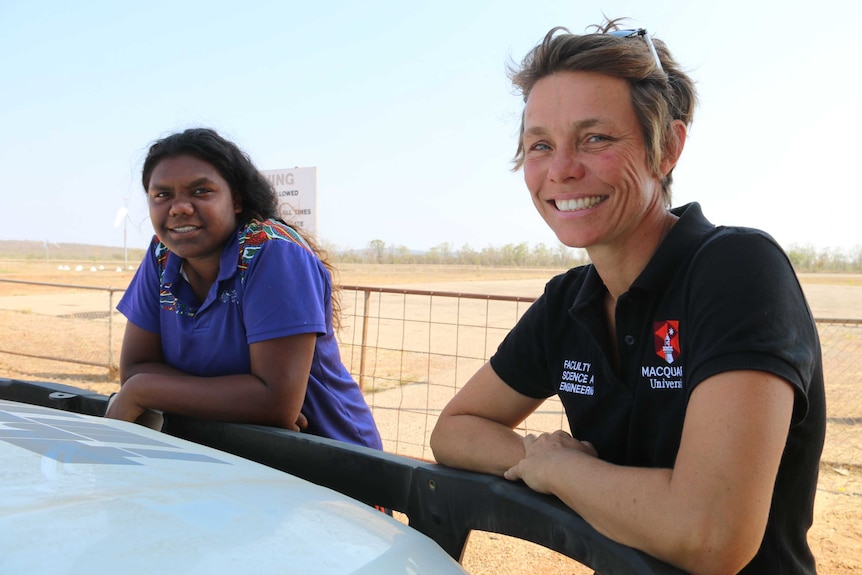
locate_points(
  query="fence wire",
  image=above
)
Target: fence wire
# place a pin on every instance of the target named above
(410, 350)
(413, 350)
(60, 332)
(841, 346)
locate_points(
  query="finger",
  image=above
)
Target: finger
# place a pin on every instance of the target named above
(301, 422)
(512, 473)
(111, 399)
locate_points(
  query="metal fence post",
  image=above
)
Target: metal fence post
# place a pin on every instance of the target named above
(364, 347)
(113, 368)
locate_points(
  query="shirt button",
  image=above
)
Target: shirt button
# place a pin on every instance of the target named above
(629, 339)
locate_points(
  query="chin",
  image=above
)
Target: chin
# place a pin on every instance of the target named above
(573, 241)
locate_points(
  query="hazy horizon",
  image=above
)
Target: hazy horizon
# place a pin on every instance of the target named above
(406, 111)
(40, 246)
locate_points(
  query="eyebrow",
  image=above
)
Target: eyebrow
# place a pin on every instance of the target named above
(194, 183)
(578, 126)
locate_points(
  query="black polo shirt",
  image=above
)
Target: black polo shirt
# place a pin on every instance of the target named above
(712, 299)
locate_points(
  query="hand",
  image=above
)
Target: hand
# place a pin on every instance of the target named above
(301, 423)
(121, 407)
(542, 450)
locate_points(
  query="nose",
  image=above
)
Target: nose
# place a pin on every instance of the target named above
(565, 164)
(181, 206)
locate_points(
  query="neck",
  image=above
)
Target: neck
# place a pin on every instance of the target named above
(619, 265)
(201, 275)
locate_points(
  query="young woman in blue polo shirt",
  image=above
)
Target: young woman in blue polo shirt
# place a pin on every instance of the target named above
(231, 311)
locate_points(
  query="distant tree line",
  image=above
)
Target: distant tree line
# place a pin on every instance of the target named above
(509, 255)
(809, 259)
(803, 258)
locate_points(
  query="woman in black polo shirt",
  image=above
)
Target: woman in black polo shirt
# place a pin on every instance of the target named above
(685, 354)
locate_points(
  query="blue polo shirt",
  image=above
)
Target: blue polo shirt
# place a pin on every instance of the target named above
(270, 285)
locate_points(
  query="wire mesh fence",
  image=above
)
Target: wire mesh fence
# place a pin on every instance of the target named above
(413, 350)
(841, 345)
(410, 350)
(60, 332)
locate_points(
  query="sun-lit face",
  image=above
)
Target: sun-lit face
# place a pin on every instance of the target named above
(192, 208)
(585, 160)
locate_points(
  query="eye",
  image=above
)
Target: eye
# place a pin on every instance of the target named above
(597, 141)
(200, 191)
(539, 146)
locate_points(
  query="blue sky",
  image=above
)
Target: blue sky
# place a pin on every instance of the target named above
(405, 110)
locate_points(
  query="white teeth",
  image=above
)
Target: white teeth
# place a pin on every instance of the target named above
(184, 229)
(577, 204)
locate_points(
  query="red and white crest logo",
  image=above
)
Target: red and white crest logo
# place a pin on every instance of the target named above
(667, 339)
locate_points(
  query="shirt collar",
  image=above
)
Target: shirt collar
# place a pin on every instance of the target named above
(227, 262)
(679, 244)
(230, 256)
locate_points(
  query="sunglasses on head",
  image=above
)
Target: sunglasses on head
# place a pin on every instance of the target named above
(642, 33)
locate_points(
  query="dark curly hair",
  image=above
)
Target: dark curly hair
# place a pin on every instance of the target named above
(246, 182)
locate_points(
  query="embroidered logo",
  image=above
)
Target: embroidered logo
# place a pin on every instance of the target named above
(577, 377)
(229, 296)
(667, 339)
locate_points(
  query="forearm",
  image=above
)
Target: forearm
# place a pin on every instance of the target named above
(154, 367)
(646, 509)
(241, 397)
(477, 444)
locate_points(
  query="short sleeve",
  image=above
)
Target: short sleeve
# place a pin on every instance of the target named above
(520, 359)
(748, 312)
(286, 291)
(140, 302)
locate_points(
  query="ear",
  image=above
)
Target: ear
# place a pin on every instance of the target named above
(674, 148)
(237, 204)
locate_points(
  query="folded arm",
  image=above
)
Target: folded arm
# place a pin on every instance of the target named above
(475, 429)
(706, 515)
(272, 394)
